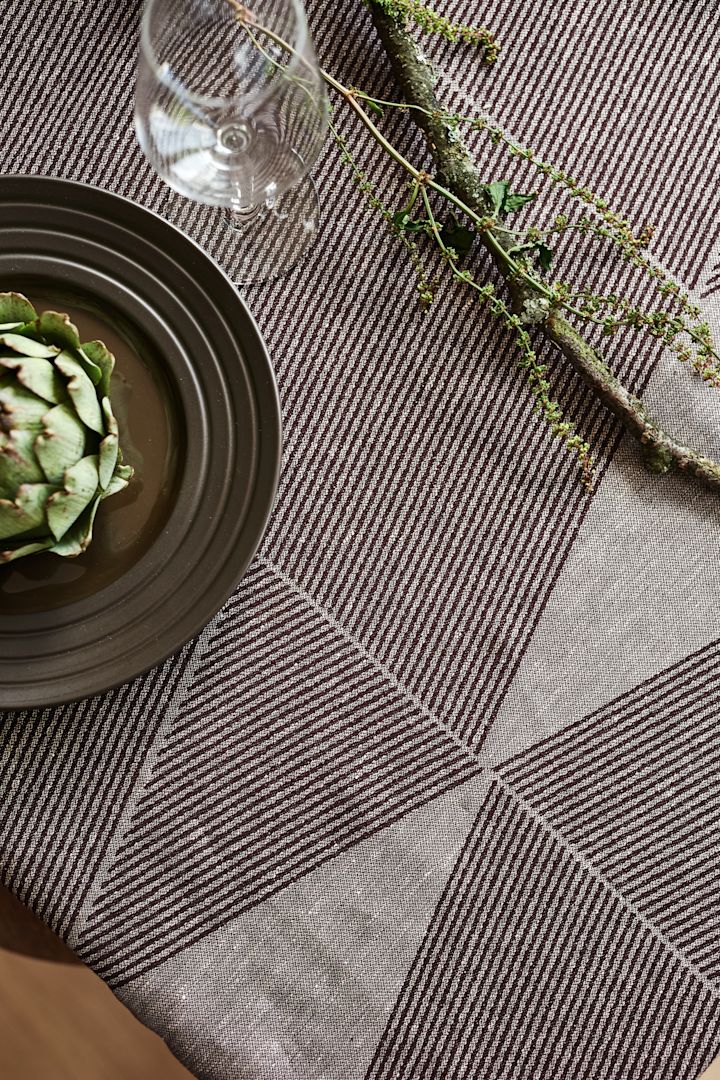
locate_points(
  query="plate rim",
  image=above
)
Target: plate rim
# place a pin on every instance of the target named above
(259, 371)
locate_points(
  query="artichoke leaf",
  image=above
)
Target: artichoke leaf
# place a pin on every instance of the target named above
(20, 408)
(60, 452)
(81, 391)
(58, 328)
(92, 371)
(37, 375)
(110, 446)
(29, 330)
(14, 307)
(117, 484)
(81, 487)
(78, 538)
(18, 463)
(31, 548)
(108, 456)
(125, 472)
(26, 514)
(60, 444)
(111, 425)
(99, 355)
(26, 346)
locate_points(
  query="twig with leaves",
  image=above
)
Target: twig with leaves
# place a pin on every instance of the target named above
(459, 172)
(478, 210)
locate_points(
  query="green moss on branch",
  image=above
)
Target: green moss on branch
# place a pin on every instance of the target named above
(458, 171)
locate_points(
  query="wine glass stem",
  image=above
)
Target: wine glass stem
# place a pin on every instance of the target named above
(242, 217)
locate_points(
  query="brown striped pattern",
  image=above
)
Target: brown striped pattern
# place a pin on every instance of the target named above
(274, 765)
(599, 97)
(535, 967)
(633, 789)
(711, 284)
(77, 767)
(421, 525)
(442, 563)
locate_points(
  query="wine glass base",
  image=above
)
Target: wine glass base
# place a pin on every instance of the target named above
(270, 240)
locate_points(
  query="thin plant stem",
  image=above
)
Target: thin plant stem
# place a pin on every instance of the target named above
(466, 192)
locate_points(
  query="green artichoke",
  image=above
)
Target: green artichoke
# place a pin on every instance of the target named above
(59, 449)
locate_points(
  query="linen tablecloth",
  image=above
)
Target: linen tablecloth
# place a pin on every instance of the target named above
(435, 795)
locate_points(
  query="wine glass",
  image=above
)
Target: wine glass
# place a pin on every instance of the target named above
(231, 110)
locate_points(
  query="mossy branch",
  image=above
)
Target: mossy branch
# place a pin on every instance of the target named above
(533, 300)
(458, 172)
(432, 21)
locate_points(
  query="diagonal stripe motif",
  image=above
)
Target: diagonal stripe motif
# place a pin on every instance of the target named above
(434, 541)
(596, 97)
(274, 766)
(634, 790)
(530, 969)
(709, 285)
(464, 531)
(423, 520)
(77, 767)
(579, 931)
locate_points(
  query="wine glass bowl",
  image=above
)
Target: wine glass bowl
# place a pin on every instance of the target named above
(230, 108)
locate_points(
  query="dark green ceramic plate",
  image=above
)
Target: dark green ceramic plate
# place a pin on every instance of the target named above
(198, 406)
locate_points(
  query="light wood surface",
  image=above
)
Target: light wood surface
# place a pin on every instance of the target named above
(58, 1021)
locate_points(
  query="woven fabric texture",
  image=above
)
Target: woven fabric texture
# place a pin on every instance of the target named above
(433, 797)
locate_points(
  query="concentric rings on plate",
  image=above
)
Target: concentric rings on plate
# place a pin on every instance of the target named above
(204, 356)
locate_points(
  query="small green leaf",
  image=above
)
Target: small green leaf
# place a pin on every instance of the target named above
(497, 192)
(373, 106)
(410, 225)
(515, 200)
(520, 249)
(503, 200)
(545, 256)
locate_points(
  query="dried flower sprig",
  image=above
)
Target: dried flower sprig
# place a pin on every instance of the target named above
(523, 260)
(433, 22)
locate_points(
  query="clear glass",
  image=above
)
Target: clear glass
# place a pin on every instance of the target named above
(231, 117)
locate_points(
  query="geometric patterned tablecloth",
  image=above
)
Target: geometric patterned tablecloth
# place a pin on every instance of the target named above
(435, 795)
